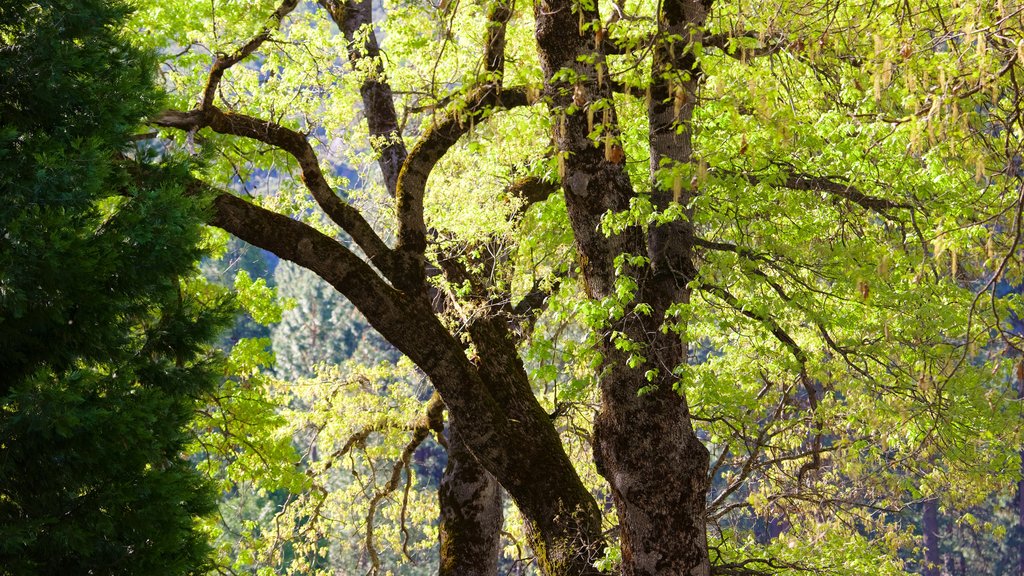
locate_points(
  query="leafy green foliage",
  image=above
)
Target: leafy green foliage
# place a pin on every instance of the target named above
(856, 189)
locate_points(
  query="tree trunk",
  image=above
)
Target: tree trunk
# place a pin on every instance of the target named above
(470, 514)
(1020, 484)
(930, 528)
(645, 445)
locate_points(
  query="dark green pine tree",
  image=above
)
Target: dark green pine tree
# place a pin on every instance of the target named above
(102, 322)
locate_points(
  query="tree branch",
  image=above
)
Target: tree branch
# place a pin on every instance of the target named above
(437, 140)
(420, 429)
(494, 45)
(721, 42)
(844, 190)
(222, 62)
(294, 143)
(355, 20)
(531, 190)
(783, 337)
(830, 185)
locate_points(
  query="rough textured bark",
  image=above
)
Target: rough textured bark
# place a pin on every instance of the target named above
(471, 514)
(499, 419)
(645, 444)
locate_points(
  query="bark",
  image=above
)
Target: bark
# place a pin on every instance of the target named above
(470, 514)
(351, 17)
(1020, 484)
(498, 417)
(645, 445)
(930, 528)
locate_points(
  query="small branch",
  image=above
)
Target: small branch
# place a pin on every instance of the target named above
(222, 62)
(768, 322)
(798, 353)
(531, 190)
(421, 429)
(721, 42)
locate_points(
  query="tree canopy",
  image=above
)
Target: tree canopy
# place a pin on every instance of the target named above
(772, 246)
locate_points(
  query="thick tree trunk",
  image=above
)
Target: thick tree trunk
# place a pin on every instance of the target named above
(470, 514)
(645, 445)
(562, 520)
(498, 416)
(648, 452)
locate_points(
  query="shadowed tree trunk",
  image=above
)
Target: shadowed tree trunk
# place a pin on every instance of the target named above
(930, 528)
(471, 514)
(1020, 484)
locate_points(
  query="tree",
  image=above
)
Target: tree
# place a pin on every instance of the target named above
(776, 213)
(103, 327)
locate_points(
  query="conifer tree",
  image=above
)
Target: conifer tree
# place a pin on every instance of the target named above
(102, 327)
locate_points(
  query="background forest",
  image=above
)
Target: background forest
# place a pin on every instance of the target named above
(552, 287)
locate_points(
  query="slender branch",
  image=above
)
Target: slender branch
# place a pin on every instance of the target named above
(766, 48)
(768, 322)
(437, 140)
(222, 62)
(830, 185)
(783, 337)
(421, 429)
(531, 190)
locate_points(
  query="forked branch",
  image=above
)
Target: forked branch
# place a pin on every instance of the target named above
(222, 62)
(295, 144)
